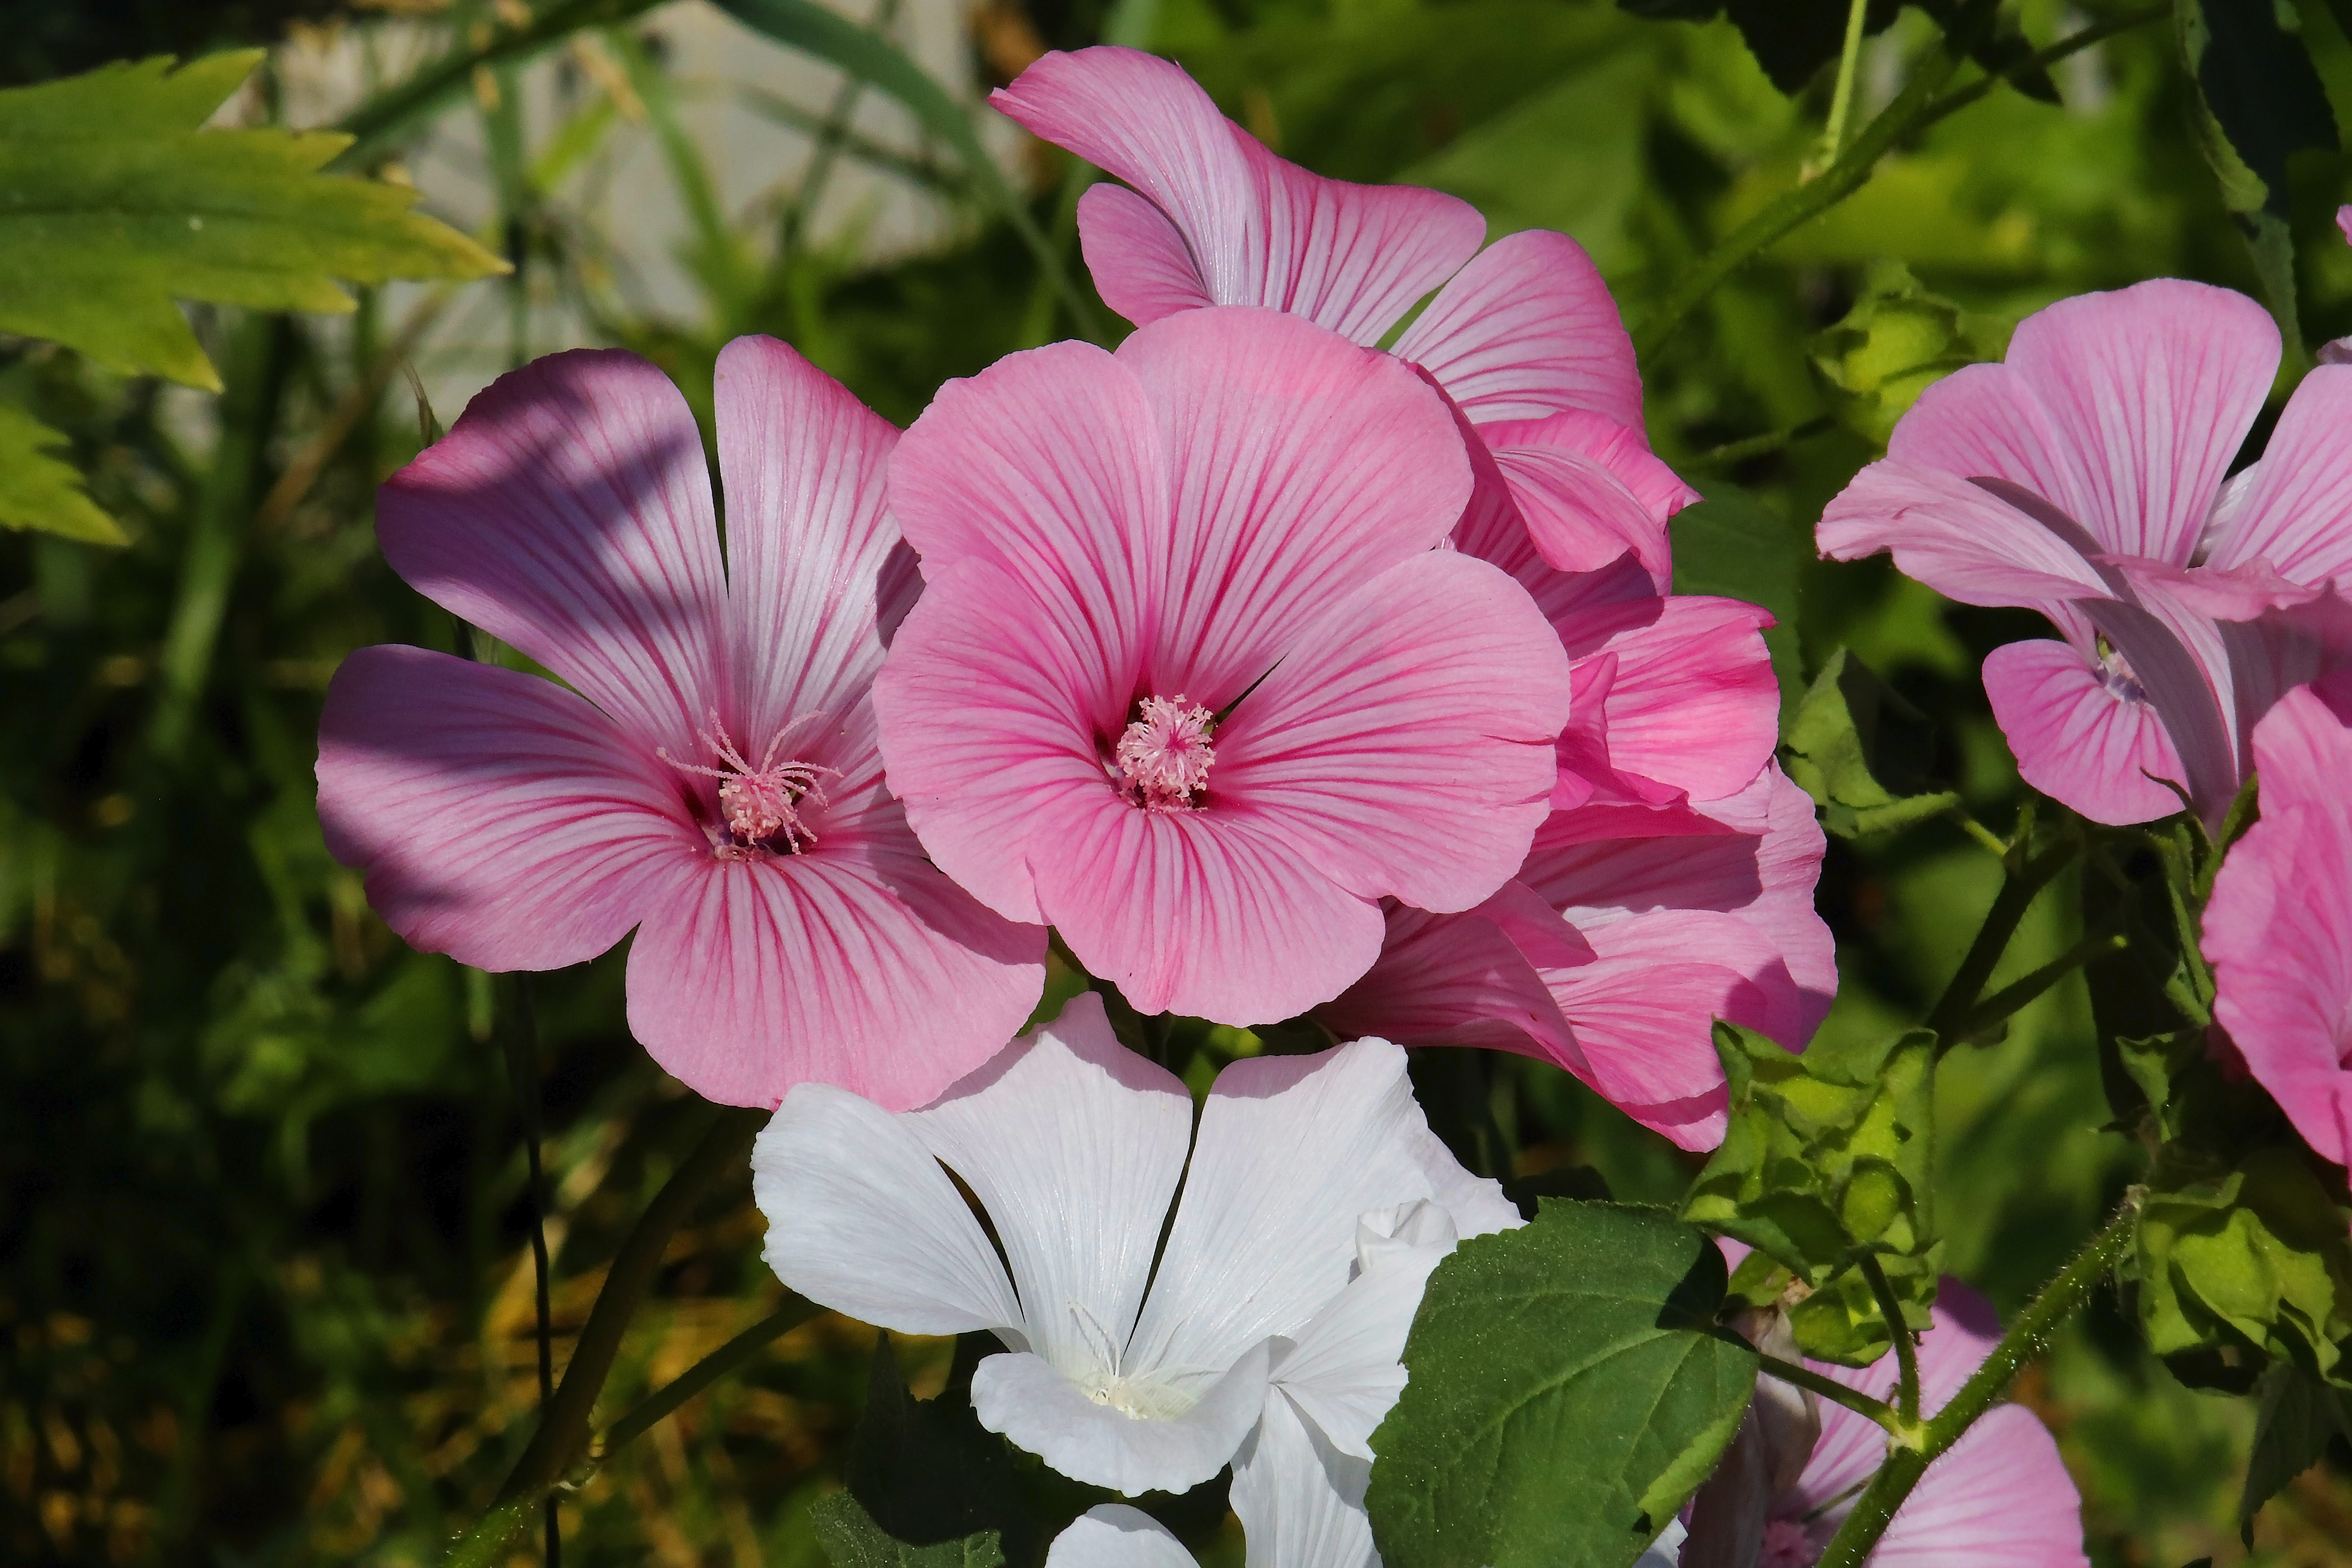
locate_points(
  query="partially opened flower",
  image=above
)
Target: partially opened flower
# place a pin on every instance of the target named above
(2000, 1497)
(1190, 680)
(708, 772)
(2278, 928)
(2088, 477)
(1074, 1148)
(1523, 335)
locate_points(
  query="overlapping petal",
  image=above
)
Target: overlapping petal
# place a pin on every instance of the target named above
(2081, 736)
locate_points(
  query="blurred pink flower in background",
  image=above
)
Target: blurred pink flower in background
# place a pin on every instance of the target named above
(2087, 477)
(1191, 680)
(2278, 928)
(2340, 351)
(710, 776)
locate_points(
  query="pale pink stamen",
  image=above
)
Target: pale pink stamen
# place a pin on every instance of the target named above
(1165, 753)
(761, 804)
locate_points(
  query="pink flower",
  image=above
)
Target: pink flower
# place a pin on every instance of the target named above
(1523, 336)
(2000, 1497)
(1672, 884)
(2085, 477)
(2278, 928)
(2340, 351)
(710, 776)
(1190, 679)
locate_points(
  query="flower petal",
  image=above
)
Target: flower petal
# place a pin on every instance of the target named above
(1956, 537)
(1526, 330)
(851, 967)
(2000, 1497)
(1462, 979)
(1139, 261)
(1694, 703)
(1259, 231)
(2296, 511)
(1303, 468)
(1580, 516)
(1113, 1535)
(862, 1219)
(1074, 1145)
(1039, 1410)
(1345, 1369)
(1300, 1501)
(2278, 929)
(498, 817)
(568, 513)
(2076, 739)
(807, 538)
(1404, 746)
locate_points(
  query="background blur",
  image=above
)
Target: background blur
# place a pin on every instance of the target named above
(265, 1290)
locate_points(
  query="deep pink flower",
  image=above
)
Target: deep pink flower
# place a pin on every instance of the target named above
(1190, 679)
(1523, 336)
(1673, 883)
(2085, 478)
(712, 776)
(2278, 928)
(1998, 1498)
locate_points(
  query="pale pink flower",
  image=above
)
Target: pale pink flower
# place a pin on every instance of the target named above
(1672, 884)
(1523, 336)
(710, 775)
(2340, 351)
(2278, 928)
(1191, 680)
(2087, 477)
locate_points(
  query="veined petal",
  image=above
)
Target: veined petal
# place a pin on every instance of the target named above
(1581, 515)
(1694, 703)
(498, 817)
(1462, 979)
(2077, 738)
(1303, 468)
(1291, 1152)
(1955, 536)
(1526, 330)
(2296, 512)
(1113, 1535)
(871, 973)
(1074, 1145)
(802, 463)
(568, 513)
(1404, 746)
(1139, 261)
(1299, 1499)
(1040, 1410)
(2000, 1497)
(862, 1219)
(1345, 1369)
(1258, 230)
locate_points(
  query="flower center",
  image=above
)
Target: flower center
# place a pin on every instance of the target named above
(1788, 1544)
(761, 804)
(1165, 753)
(2116, 672)
(1140, 1398)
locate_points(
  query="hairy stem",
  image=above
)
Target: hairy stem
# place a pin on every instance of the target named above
(2026, 876)
(1907, 1352)
(1875, 1510)
(1836, 1392)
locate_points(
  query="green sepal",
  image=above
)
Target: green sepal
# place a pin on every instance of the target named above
(1897, 340)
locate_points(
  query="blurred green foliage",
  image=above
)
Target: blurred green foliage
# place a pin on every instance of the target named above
(264, 1276)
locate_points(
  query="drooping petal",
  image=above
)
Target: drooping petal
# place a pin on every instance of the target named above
(1259, 231)
(802, 461)
(498, 817)
(1529, 329)
(1291, 1152)
(2278, 929)
(1138, 259)
(1303, 468)
(1074, 1145)
(568, 513)
(1040, 1410)
(2077, 738)
(1693, 703)
(1404, 746)
(1463, 980)
(1299, 1500)
(1113, 1535)
(1345, 1369)
(1044, 466)
(865, 970)
(2296, 511)
(1955, 536)
(862, 1219)
(1580, 516)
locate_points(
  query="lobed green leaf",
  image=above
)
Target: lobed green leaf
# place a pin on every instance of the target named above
(44, 493)
(1837, 750)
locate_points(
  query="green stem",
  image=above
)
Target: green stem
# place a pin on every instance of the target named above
(518, 1034)
(2017, 995)
(2022, 884)
(1841, 100)
(1732, 453)
(1875, 1510)
(1836, 1392)
(2043, 59)
(1906, 1353)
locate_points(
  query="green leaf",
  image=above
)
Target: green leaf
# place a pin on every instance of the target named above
(1793, 39)
(852, 1539)
(2298, 1417)
(1566, 1392)
(41, 492)
(114, 203)
(1896, 342)
(1731, 544)
(1837, 750)
(925, 1479)
(1829, 1155)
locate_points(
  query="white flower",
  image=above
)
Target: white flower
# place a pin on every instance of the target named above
(1074, 1148)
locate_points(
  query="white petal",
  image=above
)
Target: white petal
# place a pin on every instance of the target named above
(1345, 1369)
(1665, 1552)
(862, 1219)
(1301, 1501)
(1113, 1535)
(1291, 1152)
(1038, 1409)
(1074, 1145)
